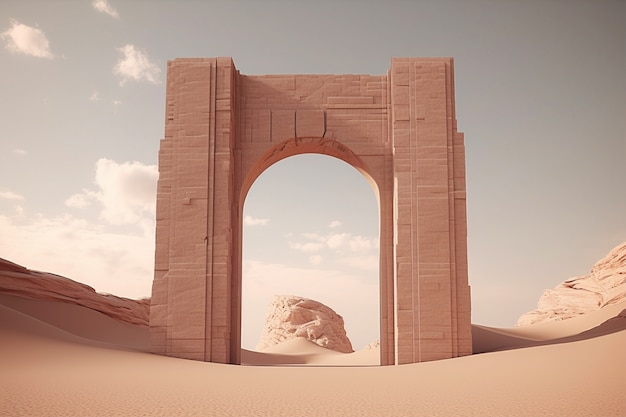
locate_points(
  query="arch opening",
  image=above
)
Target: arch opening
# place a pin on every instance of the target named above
(311, 228)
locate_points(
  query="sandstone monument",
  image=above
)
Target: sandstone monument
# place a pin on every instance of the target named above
(224, 128)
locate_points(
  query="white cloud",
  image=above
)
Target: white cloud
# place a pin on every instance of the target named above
(252, 221)
(95, 96)
(111, 262)
(82, 200)
(306, 247)
(109, 254)
(27, 40)
(116, 102)
(338, 242)
(20, 152)
(103, 6)
(361, 244)
(135, 65)
(126, 191)
(335, 223)
(10, 195)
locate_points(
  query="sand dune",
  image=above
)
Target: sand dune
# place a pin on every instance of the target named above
(88, 325)
(592, 324)
(305, 353)
(51, 366)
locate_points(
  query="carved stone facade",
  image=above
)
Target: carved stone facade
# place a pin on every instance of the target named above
(223, 129)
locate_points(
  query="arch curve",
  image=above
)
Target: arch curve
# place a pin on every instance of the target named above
(304, 145)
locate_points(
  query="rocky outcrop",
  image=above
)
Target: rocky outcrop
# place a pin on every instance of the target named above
(373, 345)
(20, 281)
(605, 285)
(289, 317)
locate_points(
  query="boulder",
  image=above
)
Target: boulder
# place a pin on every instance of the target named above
(23, 282)
(289, 317)
(605, 285)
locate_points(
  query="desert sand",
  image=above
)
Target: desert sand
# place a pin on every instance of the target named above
(59, 359)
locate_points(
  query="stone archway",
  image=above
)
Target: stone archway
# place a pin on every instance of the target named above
(224, 128)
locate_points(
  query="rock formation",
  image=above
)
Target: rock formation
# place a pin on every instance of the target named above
(605, 285)
(373, 345)
(289, 317)
(20, 281)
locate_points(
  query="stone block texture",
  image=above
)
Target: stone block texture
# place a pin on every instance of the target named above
(223, 129)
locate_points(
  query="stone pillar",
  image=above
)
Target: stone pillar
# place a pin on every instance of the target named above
(430, 227)
(190, 310)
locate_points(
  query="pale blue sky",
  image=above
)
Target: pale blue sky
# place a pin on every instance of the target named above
(540, 96)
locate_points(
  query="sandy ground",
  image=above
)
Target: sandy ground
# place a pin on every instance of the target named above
(63, 360)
